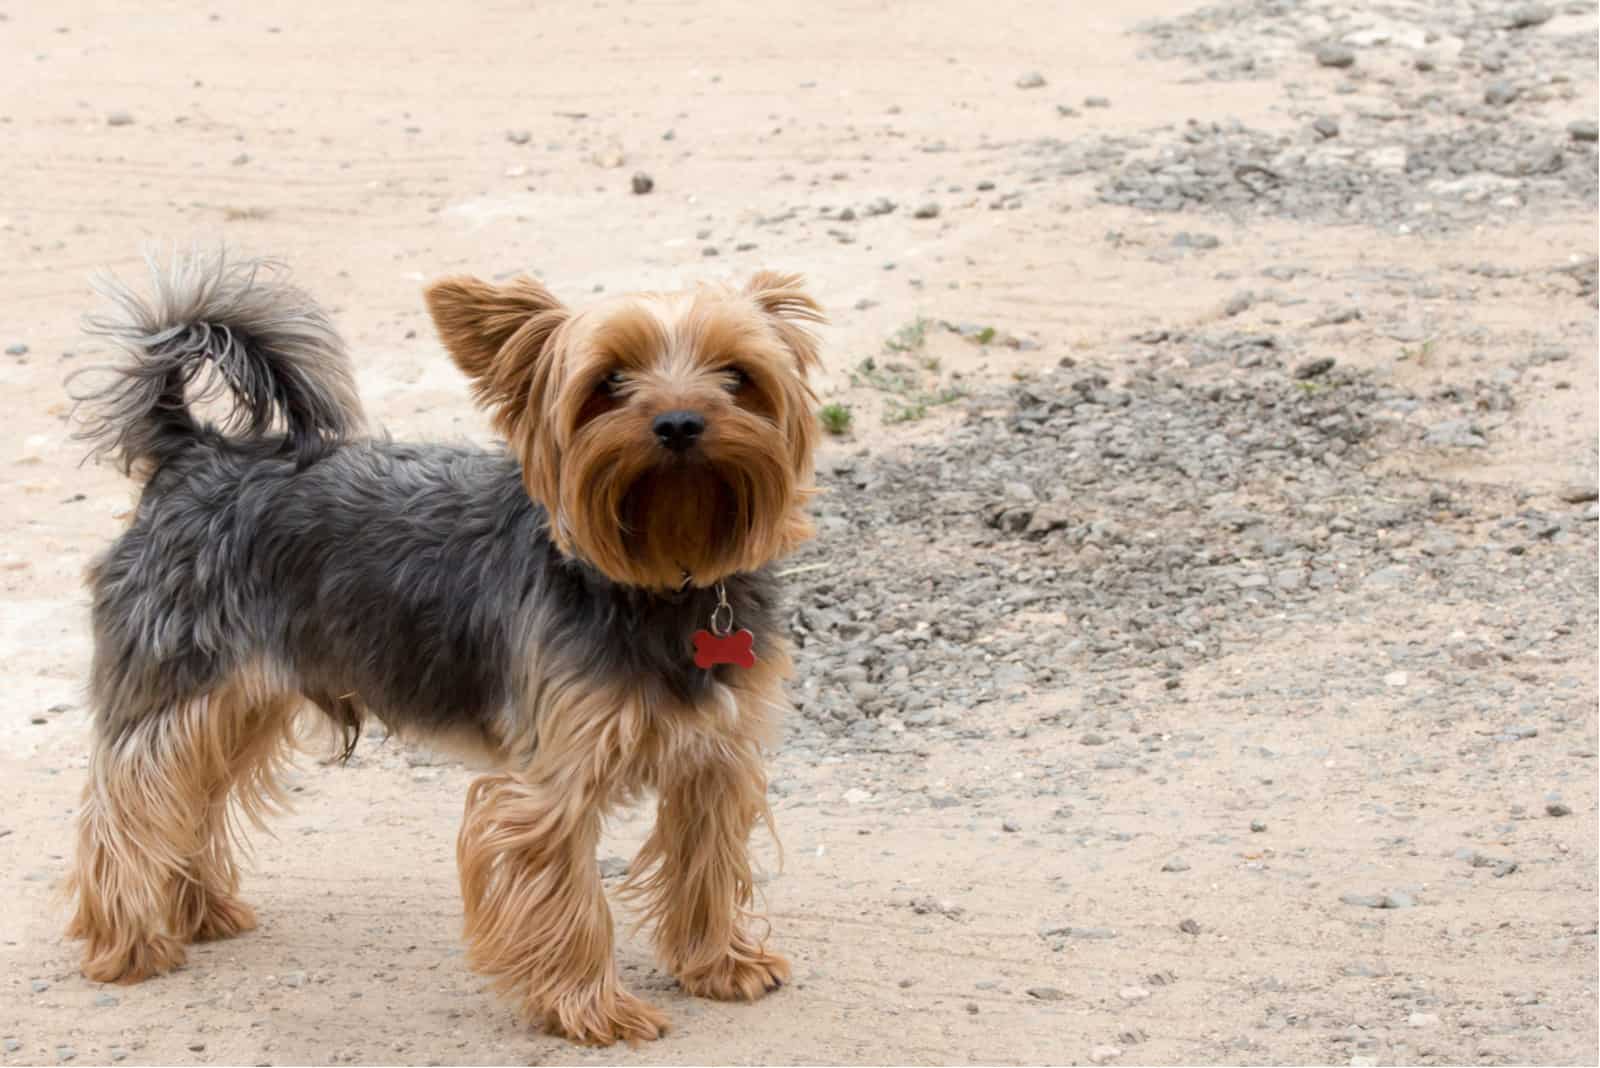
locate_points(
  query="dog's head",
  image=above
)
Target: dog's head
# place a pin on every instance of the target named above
(667, 435)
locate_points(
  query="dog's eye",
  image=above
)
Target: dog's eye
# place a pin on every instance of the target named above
(736, 379)
(612, 382)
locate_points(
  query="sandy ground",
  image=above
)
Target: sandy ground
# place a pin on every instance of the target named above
(370, 146)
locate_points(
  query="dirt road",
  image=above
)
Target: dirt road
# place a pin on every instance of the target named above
(1199, 656)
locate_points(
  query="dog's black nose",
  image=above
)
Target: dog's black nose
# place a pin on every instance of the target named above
(678, 430)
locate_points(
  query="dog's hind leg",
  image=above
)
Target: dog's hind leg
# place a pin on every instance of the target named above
(155, 867)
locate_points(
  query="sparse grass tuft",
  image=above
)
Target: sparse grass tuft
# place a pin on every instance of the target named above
(910, 337)
(836, 418)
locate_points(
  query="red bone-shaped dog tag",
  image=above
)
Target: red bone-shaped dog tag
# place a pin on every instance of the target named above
(736, 648)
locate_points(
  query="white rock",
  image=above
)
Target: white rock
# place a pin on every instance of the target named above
(1423, 1019)
(1396, 679)
(857, 796)
(1103, 1054)
(1133, 993)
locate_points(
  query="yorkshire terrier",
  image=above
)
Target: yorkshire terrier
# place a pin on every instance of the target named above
(592, 608)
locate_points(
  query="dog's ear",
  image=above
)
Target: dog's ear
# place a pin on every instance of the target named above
(496, 335)
(790, 308)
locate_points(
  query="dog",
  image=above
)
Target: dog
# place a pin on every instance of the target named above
(592, 609)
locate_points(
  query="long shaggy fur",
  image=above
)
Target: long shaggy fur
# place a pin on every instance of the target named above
(535, 606)
(211, 327)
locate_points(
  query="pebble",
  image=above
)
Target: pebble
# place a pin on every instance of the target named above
(40, 986)
(118, 1053)
(1314, 368)
(1189, 927)
(929, 210)
(1393, 900)
(1184, 239)
(105, 1001)
(1096, 102)
(1396, 680)
(294, 979)
(66, 1053)
(1010, 826)
(1256, 826)
(519, 137)
(1092, 738)
(1423, 1019)
(1031, 80)
(119, 118)
(1584, 130)
(1499, 94)
(1556, 808)
(1046, 993)
(642, 183)
(19, 349)
(1105, 1054)
(1133, 993)
(1524, 16)
(1326, 126)
(1578, 492)
(1335, 55)
(12, 1045)
(197, 1047)
(1175, 864)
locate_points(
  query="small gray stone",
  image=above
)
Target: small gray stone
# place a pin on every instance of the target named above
(642, 183)
(40, 985)
(1335, 55)
(1091, 738)
(1257, 826)
(197, 1047)
(1184, 239)
(1326, 126)
(1524, 16)
(1239, 303)
(1578, 492)
(1366, 901)
(1313, 368)
(1010, 826)
(929, 210)
(1096, 102)
(1499, 94)
(519, 137)
(66, 1053)
(103, 1000)
(1584, 130)
(1189, 927)
(294, 979)
(613, 868)
(12, 1045)
(1175, 864)
(1398, 900)
(1046, 993)
(1556, 808)
(119, 118)
(19, 349)
(118, 1053)
(1031, 80)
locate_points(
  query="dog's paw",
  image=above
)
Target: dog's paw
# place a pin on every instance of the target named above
(131, 960)
(741, 978)
(600, 1019)
(224, 918)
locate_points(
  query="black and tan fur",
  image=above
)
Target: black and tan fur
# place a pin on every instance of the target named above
(536, 603)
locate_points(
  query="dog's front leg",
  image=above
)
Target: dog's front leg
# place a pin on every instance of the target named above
(536, 918)
(694, 872)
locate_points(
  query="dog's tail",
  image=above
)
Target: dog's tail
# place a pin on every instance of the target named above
(213, 327)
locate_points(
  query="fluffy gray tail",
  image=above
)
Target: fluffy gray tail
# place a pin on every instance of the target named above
(212, 327)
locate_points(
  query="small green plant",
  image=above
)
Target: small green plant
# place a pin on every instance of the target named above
(910, 337)
(836, 418)
(985, 335)
(895, 412)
